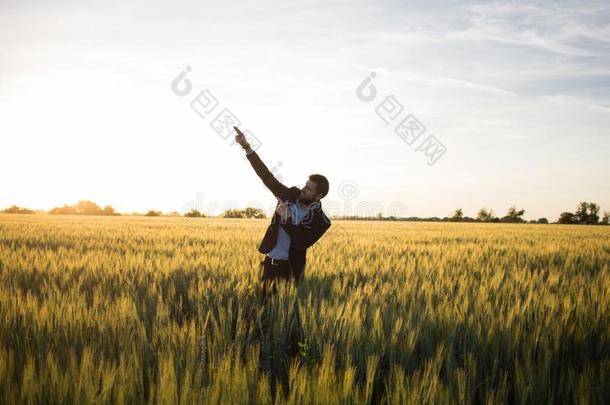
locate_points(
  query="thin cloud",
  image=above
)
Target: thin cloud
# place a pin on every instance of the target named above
(455, 83)
(599, 108)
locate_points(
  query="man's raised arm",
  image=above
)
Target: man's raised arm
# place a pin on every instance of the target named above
(273, 184)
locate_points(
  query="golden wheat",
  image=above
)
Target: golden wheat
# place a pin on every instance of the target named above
(166, 310)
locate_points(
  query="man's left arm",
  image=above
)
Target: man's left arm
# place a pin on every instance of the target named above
(304, 237)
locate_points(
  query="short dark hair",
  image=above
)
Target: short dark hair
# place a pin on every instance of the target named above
(322, 183)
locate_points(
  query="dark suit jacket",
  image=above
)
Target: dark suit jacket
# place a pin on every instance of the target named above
(302, 236)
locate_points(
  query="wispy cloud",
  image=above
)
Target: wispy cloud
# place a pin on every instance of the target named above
(599, 108)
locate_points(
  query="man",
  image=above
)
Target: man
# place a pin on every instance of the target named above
(298, 221)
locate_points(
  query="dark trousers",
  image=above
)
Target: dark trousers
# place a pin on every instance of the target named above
(274, 273)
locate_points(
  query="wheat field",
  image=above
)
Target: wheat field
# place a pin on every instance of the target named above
(166, 310)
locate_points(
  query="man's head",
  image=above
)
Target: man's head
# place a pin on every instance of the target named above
(315, 189)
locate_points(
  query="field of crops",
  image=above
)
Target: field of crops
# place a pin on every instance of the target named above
(166, 310)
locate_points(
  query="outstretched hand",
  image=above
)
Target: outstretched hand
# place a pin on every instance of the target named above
(240, 138)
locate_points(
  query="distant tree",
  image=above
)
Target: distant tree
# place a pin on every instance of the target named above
(567, 218)
(486, 215)
(233, 213)
(582, 212)
(593, 217)
(458, 215)
(587, 213)
(108, 210)
(13, 209)
(173, 214)
(83, 207)
(606, 218)
(250, 212)
(513, 215)
(193, 213)
(245, 213)
(65, 210)
(513, 212)
(87, 207)
(543, 220)
(152, 213)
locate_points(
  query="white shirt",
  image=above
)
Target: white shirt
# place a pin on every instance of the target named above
(282, 246)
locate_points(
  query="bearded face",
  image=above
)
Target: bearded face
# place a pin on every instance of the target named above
(305, 200)
(308, 193)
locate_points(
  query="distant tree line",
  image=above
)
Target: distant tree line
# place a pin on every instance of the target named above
(513, 216)
(193, 213)
(587, 213)
(87, 207)
(83, 207)
(244, 213)
(13, 209)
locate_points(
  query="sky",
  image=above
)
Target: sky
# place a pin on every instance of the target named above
(511, 104)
